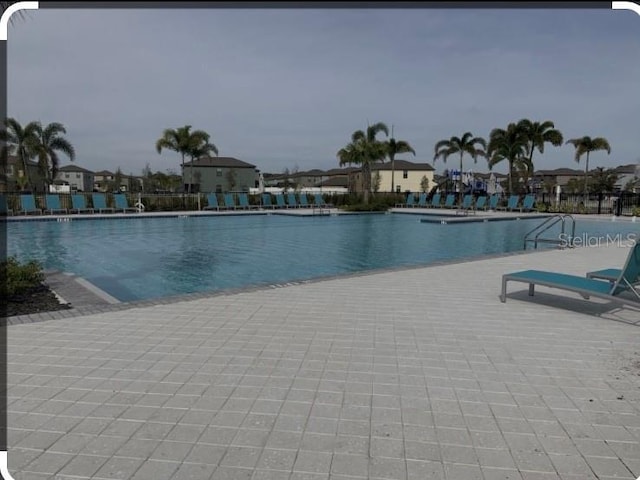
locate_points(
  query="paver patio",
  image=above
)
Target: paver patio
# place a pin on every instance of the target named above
(415, 374)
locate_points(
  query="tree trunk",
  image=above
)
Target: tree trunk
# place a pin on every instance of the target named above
(510, 183)
(366, 181)
(460, 193)
(26, 170)
(393, 183)
(586, 179)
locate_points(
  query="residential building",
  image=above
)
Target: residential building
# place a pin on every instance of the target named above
(14, 179)
(408, 176)
(628, 177)
(547, 180)
(78, 178)
(220, 174)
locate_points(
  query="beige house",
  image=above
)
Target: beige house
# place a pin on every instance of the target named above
(408, 177)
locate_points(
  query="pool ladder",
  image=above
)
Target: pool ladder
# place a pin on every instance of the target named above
(533, 236)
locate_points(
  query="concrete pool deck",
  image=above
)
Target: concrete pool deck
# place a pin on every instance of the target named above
(407, 374)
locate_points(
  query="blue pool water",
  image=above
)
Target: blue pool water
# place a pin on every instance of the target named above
(145, 258)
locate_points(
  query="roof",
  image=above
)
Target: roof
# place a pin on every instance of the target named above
(219, 162)
(400, 164)
(104, 173)
(632, 168)
(341, 171)
(74, 168)
(559, 171)
(336, 182)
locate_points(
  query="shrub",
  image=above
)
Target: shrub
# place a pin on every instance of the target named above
(363, 207)
(18, 278)
(636, 212)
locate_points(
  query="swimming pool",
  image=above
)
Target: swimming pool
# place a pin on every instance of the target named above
(146, 258)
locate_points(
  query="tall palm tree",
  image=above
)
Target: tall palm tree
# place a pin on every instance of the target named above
(587, 145)
(537, 134)
(393, 148)
(50, 142)
(183, 141)
(21, 142)
(508, 144)
(364, 150)
(466, 144)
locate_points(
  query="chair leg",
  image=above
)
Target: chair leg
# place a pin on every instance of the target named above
(531, 288)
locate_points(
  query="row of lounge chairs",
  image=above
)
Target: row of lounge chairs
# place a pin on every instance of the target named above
(79, 204)
(481, 203)
(279, 201)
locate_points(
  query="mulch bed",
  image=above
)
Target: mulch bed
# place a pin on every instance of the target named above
(36, 300)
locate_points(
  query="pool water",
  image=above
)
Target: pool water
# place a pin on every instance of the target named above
(146, 258)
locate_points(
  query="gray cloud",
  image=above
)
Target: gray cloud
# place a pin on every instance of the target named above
(280, 88)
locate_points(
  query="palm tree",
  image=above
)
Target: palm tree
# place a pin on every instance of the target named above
(183, 141)
(364, 150)
(200, 148)
(393, 148)
(49, 144)
(509, 145)
(587, 145)
(466, 144)
(537, 134)
(20, 141)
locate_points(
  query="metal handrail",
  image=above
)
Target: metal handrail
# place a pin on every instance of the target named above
(547, 224)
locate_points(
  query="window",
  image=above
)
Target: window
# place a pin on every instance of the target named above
(218, 188)
(405, 174)
(218, 172)
(398, 189)
(66, 175)
(77, 175)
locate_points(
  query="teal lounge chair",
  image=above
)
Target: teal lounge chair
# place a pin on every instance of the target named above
(79, 204)
(291, 200)
(53, 204)
(527, 203)
(266, 201)
(304, 202)
(435, 200)
(28, 204)
(411, 200)
(243, 201)
(100, 203)
(280, 201)
(493, 201)
(450, 201)
(467, 202)
(481, 203)
(123, 204)
(229, 201)
(318, 201)
(212, 202)
(422, 201)
(587, 287)
(512, 204)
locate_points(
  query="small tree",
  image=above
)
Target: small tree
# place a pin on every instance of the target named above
(424, 184)
(376, 180)
(602, 181)
(573, 186)
(231, 178)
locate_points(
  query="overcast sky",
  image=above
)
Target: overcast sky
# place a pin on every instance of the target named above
(287, 88)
